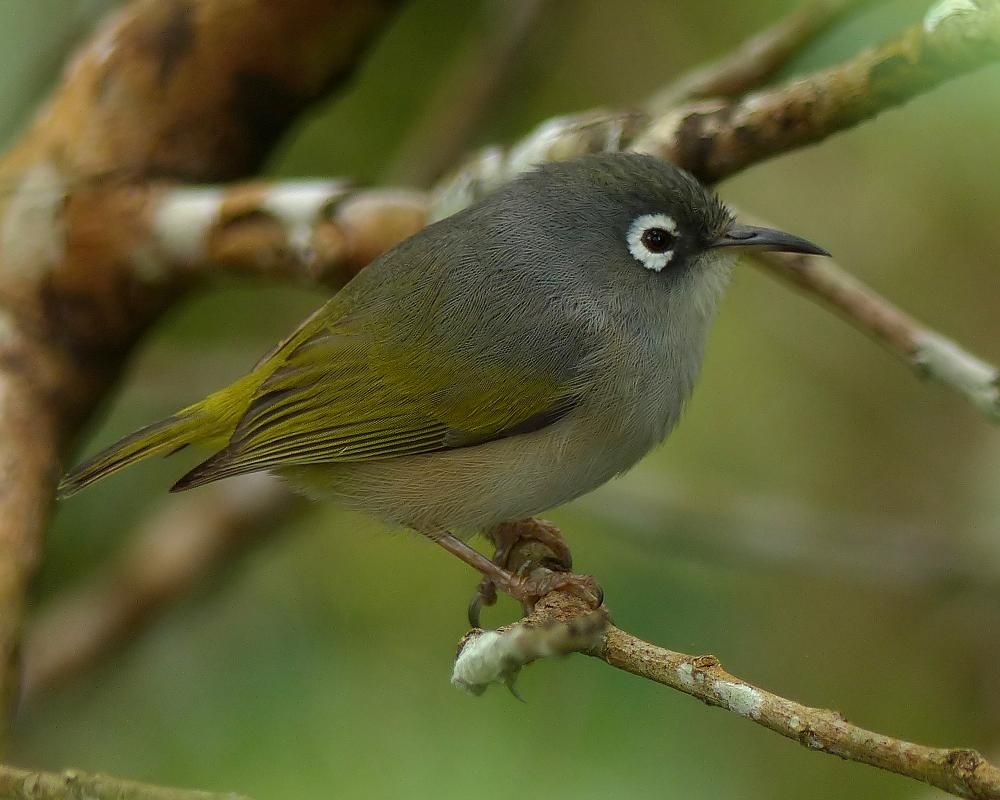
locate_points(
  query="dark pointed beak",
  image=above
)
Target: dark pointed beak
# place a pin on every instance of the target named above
(767, 239)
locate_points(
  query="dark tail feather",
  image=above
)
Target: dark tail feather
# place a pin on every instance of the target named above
(164, 436)
(207, 471)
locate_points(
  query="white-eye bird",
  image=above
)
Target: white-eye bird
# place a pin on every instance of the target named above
(496, 364)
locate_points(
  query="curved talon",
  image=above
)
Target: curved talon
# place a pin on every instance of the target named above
(485, 595)
(474, 610)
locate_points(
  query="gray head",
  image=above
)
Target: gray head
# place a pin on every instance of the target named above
(616, 227)
(660, 215)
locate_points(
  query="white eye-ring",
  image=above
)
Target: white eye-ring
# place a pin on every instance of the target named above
(651, 240)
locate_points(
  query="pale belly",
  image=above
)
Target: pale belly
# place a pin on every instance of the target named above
(472, 489)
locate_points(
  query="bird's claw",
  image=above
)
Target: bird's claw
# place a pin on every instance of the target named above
(532, 589)
(485, 595)
(535, 560)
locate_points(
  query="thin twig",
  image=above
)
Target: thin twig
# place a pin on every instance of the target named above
(761, 532)
(928, 352)
(22, 784)
(498, 657)
(758, 59)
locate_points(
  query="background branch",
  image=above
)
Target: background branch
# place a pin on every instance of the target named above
(71, 306)
(174, 551)
(759, 58)
(716, 139)
(928, 352)
(21, 784)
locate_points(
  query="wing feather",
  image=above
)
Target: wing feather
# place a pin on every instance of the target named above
(455, 368)
(339, 394)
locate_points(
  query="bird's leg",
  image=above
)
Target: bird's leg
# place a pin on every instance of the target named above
(490, 570)
(535, 555)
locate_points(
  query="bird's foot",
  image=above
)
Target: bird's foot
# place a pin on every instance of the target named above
(533, 560)
(530, 542)
(532, 589)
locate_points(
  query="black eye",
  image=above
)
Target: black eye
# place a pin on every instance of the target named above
(657, 240)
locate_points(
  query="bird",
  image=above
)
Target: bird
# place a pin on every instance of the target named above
(498, 363)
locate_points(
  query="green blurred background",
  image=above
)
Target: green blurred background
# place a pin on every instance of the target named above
(821, 521)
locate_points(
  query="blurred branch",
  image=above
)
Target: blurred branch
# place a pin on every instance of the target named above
(174, 551)
(759, 58)
(929, 353)
(754, 532)
(21, 784)
(306, 231)
(715, 139)
(195, 90)
(481, 73)
(497, 656)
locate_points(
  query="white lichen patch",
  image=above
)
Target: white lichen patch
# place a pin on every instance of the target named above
(553, 137)
(739, 698)
(298, 206)
(33, 234)
(182, 221)
(567, 137)
(945, 9)
(476, 178)
(488, 657)
(945, 361)
(685, 674)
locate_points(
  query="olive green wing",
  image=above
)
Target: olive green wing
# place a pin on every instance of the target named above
(337, 391)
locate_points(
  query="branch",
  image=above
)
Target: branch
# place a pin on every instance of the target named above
(175, 550)
(166, 88)
(759, 58)
(21, 784)
(782, 533)
(717, 139)
(929, 353)
(308, 231)
(497, 657)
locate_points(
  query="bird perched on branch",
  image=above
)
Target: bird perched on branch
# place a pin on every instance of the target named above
(496, 364)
